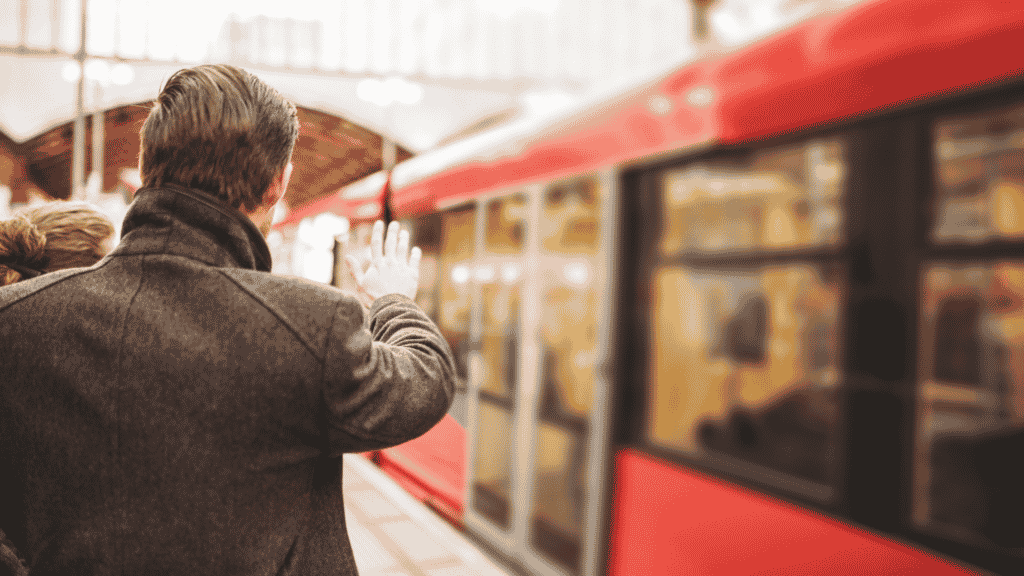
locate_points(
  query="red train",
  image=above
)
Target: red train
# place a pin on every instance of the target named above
(762, 316)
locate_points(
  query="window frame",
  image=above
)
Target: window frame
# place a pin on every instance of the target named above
(643, 232)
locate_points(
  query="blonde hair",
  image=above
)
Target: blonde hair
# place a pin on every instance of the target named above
(53, 236)
(221, 130)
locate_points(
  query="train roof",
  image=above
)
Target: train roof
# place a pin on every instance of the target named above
(867, 59)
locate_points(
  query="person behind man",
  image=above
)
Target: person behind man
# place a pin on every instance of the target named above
(52, 236)
(177, 409)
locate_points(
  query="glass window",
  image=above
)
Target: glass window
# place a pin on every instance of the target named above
(569, 239)
(499, 272)
(492, 488)
(444, 238)
(506, 225)
(971, 402)
(559, 494)
(454, 265)
(979, 176)
(500, 338)
(425, 233)
(779, 198)
(570, 218)
(744, 365)
(569, 337)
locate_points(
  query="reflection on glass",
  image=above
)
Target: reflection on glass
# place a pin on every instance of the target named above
(559, 494)
(569, 238)
(500, 339)
(570, 218)
(777, 198)
(746, 365)
(499, 272)
(500, 276)
(432, 234)
(506, 225)
(424, 232)
(492, 487)
(454, 262)
(971, 402)
(979, 165)
(568, 333)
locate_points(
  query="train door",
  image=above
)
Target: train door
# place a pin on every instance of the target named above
(535, 465)
(497, 368)
(569, 412)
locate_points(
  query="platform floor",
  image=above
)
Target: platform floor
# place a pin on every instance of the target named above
(393, 534)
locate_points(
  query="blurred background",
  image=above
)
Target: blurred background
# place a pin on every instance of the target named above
(706, 266)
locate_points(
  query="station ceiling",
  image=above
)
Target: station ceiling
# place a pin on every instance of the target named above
(330, 153)
(419, 73)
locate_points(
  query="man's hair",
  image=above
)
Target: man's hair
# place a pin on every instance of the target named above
(221, 130)
(53, 236)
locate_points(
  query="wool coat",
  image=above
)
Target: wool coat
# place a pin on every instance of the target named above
(178, 410)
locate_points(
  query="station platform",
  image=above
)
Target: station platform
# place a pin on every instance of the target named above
(393, 534)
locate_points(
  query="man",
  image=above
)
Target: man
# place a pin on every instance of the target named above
(176, 409)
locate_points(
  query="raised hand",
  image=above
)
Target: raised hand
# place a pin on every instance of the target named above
(394, 269)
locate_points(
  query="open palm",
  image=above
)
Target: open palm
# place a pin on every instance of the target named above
(393, 269)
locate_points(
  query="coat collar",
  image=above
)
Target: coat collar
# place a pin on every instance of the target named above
(185, 222)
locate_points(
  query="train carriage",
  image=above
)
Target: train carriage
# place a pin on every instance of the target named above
(760, 316)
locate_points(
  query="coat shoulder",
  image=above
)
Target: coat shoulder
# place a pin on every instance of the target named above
(14, 293)
(309, 307)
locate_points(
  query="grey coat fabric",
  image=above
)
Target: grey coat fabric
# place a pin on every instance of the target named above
(176, 409)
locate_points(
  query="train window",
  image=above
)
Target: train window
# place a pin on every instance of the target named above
(559, 494)
(501, 336)
(569, 237)
(569, 337)
(780, 198)
(454, 262)
(492, 489)
(506, 225)
(744, 366)
(499, 272)
(444, 239)
(569, 222)
(971, 402)
(425, 233)
(979, 175)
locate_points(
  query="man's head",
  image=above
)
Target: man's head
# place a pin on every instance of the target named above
(219, 129)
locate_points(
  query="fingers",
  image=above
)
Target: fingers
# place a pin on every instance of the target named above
(377, 242)
(414, 260)
(403, 246)
(391, 242)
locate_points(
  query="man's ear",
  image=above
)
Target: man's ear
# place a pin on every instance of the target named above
(278, 186)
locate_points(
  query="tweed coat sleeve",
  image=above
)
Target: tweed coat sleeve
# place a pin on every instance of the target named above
(388, 380)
